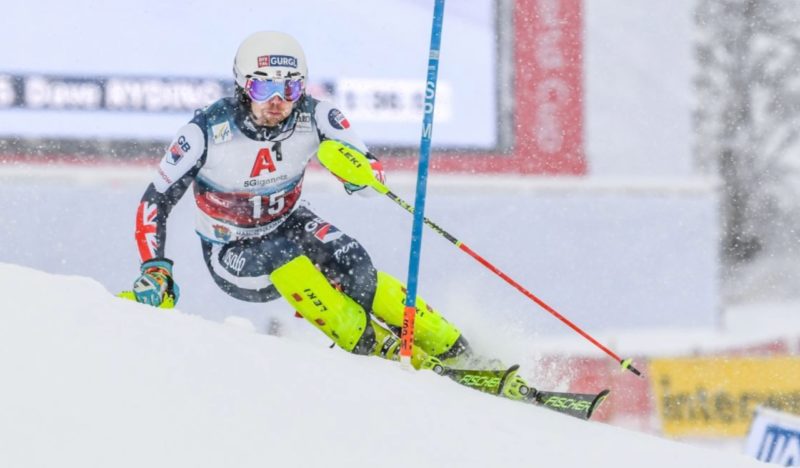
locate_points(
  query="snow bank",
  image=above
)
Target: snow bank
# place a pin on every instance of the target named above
(90, 380)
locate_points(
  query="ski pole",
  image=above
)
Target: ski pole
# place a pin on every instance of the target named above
(410, 311)
(350, 165)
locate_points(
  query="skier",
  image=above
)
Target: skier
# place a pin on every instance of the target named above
(246, 156)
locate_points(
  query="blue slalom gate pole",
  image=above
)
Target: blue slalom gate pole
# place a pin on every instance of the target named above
(407, 333)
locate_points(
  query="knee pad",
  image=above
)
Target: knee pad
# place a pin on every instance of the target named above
(435, 335)
(331, 311)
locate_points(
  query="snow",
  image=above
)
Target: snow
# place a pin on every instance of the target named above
(91, 380)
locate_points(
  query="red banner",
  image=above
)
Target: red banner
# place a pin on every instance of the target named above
(549, 91)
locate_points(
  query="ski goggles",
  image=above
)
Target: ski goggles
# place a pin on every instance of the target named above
(263, 90)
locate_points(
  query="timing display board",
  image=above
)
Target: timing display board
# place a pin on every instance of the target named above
(138, 70)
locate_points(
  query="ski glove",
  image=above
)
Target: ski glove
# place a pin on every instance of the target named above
(155, 285)
(377, 171)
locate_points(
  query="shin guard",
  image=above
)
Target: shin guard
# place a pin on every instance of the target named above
(337, 315)
(435, 335)
(311, 294)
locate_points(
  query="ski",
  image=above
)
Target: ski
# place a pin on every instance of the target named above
(579, 405)
(489, 381)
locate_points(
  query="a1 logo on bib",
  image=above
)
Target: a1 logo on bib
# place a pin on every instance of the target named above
(338, 120)
(263, 161)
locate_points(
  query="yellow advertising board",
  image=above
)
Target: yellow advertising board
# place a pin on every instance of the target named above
(717, 396)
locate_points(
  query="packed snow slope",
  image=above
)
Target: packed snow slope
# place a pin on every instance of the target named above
(89, 380)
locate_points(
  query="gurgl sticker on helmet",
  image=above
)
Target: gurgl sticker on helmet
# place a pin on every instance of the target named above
(337, 119)
(277, 61)
(266, 53)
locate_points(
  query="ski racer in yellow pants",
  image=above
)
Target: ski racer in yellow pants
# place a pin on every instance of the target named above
(245, 158)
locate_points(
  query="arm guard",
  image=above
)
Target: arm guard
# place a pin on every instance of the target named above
(178, 168)
(151, 217)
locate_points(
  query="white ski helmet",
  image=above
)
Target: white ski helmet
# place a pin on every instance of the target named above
(269, 55)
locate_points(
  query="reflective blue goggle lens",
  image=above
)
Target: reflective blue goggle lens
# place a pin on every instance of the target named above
(263, 90)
